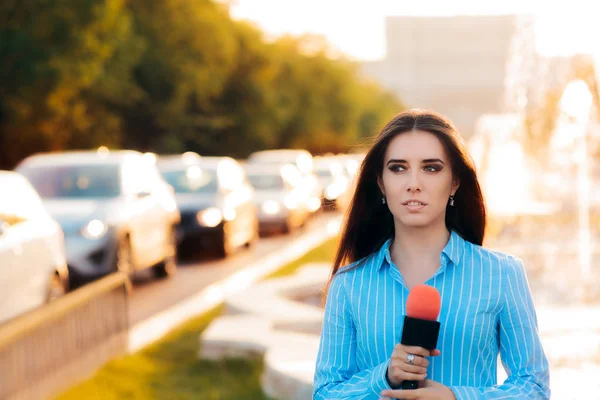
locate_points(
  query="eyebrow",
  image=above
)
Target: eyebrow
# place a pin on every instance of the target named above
(426, 161)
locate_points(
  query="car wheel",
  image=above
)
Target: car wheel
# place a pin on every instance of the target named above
(57, 287)
(168, 266)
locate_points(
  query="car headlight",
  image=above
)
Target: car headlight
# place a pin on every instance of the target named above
(210, 217)
(94, 229)
(271, 207)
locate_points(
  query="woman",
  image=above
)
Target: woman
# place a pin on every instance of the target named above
(418, 217)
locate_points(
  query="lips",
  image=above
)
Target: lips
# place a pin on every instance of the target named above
(414, 203)
(414, 206)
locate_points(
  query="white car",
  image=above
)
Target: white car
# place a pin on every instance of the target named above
(278, 194)
(115, 209)
(336, 183)
(32, 253)
(303, 160)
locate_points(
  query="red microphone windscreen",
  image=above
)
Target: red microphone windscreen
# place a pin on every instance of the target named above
(423, 302)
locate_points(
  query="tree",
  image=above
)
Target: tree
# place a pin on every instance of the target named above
(56, 52)
(170, 76)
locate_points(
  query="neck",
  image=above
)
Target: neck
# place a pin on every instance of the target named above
(412, 246)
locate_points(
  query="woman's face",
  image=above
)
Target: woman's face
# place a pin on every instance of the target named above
(417, 179)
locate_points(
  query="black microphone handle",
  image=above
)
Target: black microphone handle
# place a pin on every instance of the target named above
(421, 333)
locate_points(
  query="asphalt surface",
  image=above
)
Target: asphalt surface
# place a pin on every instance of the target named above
(151, 296)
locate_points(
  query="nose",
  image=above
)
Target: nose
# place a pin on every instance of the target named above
(414, 183)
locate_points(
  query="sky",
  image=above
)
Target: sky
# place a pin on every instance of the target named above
(356, 27)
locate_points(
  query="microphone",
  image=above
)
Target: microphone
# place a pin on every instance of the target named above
(420, 325)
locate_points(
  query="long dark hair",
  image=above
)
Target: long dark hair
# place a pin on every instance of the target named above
(369, 223)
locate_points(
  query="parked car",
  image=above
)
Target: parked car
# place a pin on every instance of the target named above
(279, 196)
(215, 199)
(303, 160)
(32, 252)
(115, 209)
(335, 182)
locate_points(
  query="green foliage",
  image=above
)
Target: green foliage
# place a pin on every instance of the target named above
(58, 53)
(171, 76)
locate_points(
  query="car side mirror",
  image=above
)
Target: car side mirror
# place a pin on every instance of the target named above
(143, 194)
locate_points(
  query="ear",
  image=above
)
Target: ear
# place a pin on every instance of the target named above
(455, 186)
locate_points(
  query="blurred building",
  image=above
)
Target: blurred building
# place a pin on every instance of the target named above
(455, 65)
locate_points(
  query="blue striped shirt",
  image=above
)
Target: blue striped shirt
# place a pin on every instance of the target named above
(487, 309)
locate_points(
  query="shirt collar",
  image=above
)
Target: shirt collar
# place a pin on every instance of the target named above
(452, 251)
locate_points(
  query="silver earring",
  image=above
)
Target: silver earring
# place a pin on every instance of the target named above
(382, 199)
(451, 201)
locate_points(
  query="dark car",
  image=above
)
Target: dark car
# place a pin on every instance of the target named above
(215, 200)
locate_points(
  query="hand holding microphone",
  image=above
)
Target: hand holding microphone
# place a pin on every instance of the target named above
(408, 364)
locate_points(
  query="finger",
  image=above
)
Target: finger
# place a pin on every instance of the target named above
(419, 362)
(415, 369)
(402, 354)
(400, 374)
(402, 359)
(409, 376)
(435, 352)
(418, 351)
(403, 394)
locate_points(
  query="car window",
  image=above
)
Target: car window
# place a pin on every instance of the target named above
(266, 181)
(74, 181)
(192, 179)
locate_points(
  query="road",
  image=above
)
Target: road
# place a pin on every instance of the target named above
(152, 296)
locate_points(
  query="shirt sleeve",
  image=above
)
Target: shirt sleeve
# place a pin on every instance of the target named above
(521, 350)
(336, 373)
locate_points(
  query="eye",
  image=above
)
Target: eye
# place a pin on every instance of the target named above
(396, 168)
(433, 168)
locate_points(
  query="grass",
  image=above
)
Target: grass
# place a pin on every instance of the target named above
(170, 368)
(325, 252)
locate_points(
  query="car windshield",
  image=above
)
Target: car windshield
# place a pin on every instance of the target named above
(75, 181)
(192, 180)
(266, 182)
